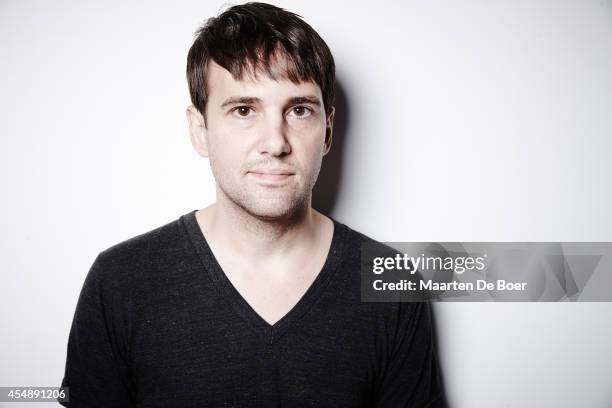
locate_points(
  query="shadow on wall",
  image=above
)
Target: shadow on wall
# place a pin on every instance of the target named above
(325, 191)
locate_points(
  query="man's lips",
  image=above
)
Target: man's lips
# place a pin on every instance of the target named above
(271, 171)
(272, 174)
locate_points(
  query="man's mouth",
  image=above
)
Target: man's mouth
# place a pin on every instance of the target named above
(271, 174)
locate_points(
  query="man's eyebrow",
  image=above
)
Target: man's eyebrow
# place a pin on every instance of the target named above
(304, 99)
(250, 100)
(232, 100)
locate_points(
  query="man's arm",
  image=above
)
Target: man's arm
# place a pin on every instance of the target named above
(411, 376)
(96, 371)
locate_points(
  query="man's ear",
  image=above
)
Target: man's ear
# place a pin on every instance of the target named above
(329, 130)
(197, 131)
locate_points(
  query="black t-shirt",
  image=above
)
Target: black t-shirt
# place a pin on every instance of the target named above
(159, 324)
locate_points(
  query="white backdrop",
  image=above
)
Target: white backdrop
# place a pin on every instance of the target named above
(463, 121)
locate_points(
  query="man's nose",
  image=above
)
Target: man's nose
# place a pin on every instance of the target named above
(273, 137)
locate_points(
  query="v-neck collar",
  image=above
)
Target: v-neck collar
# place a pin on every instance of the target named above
(227, 291)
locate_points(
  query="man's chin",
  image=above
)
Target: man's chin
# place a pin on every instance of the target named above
(271, 205)
(273, 214)
(274, 211)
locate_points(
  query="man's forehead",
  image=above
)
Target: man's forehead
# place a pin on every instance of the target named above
(221, 82)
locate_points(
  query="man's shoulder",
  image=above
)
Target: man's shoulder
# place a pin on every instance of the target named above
(356, 241)
(152, 244)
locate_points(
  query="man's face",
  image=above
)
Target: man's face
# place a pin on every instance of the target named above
(265, 140)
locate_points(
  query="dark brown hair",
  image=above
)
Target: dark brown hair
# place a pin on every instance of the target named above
(248, 38)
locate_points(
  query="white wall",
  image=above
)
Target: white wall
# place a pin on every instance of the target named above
(466, 121)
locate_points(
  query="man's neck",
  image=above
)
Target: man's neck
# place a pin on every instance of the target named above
(232, 229)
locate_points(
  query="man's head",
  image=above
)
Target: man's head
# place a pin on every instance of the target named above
(262, 85)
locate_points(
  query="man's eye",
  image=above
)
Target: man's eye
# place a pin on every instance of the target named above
(243, 111)
(300, 111)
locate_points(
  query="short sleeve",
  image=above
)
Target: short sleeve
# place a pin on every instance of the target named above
(96, 371)
(411, 375)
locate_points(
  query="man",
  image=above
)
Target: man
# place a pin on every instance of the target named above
(253, 301)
